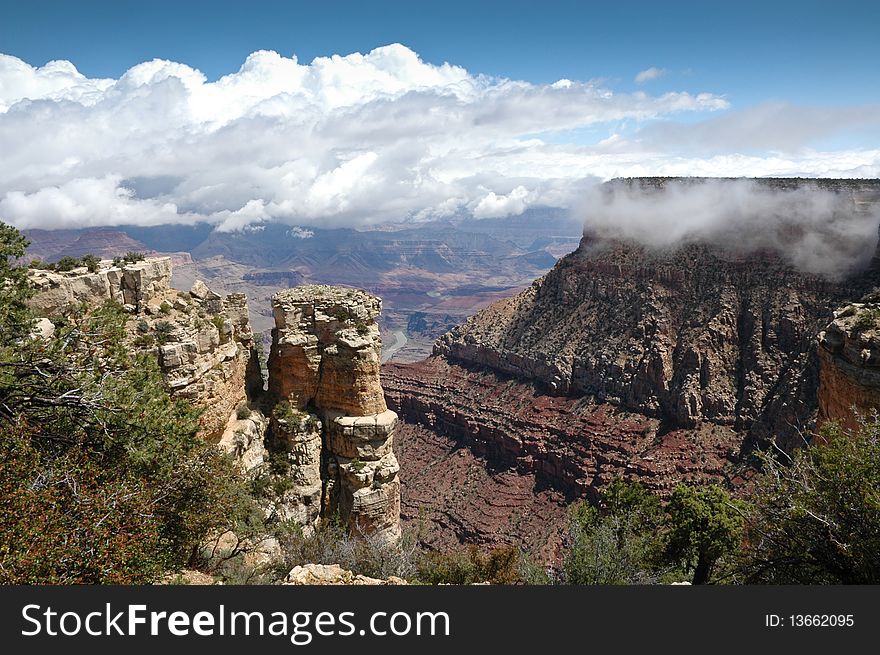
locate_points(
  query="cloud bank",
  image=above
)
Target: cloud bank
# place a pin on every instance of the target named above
(815, 230)
(354, 140)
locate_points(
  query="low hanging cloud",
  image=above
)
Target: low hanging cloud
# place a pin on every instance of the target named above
(778, 126)
(353, 140)
(495, 206)
(821, 230)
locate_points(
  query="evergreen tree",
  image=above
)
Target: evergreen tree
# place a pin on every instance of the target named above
(102, 475)
(617, 542)
(704, 525)
(14, 288)
(816, 518)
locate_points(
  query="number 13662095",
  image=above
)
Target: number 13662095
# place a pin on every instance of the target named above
(809, 620)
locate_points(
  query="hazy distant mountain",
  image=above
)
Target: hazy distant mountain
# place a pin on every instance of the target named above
(51, 245)
(535, 228)
(451, 268)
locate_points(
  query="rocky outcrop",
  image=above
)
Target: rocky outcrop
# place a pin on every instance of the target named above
(205, 347)
(297, 438)
(333, 574)
(328, 437)
(330, 415)
(203, 342)
(325, 350)
(244, 440)
(133, 284)
(849, 363)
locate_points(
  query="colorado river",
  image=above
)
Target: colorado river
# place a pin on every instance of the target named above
(389, 350)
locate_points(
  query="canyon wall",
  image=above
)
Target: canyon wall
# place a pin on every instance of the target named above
(134, 285)
(492, 460)
(716, 325)
(686, 336)
(330, 412)
(663, 364)
(849, 363)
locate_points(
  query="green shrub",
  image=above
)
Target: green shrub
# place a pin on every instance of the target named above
(617, 542)
(470, 566)
(631, 539)
(103, 477)
(704, 527)
(867, 320)
(339, 313)
(242, 412)
(92, 263)
(284, 411)
(331, 543)
(144, 341)
(164, 330)
(66, 264)
(815, 518)
(39, 264)
(83, 523)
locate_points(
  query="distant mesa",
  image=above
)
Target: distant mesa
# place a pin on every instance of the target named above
(274, 278)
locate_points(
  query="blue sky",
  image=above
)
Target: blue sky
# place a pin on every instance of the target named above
(809, 51)
(203, 104)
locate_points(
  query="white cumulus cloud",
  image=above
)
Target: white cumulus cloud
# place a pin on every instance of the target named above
(357, 140)
(494, 206)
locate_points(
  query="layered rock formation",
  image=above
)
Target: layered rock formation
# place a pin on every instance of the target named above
(133, 284)
(849, 363)
(297, 438)
(489, 459)
(207, 352)
(244, 438)
(686, 336)
(324, 350)
(693, 332)
(328, 420)
(330, 413)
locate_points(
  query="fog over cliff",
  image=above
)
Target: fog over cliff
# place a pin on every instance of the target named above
(815, 228)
